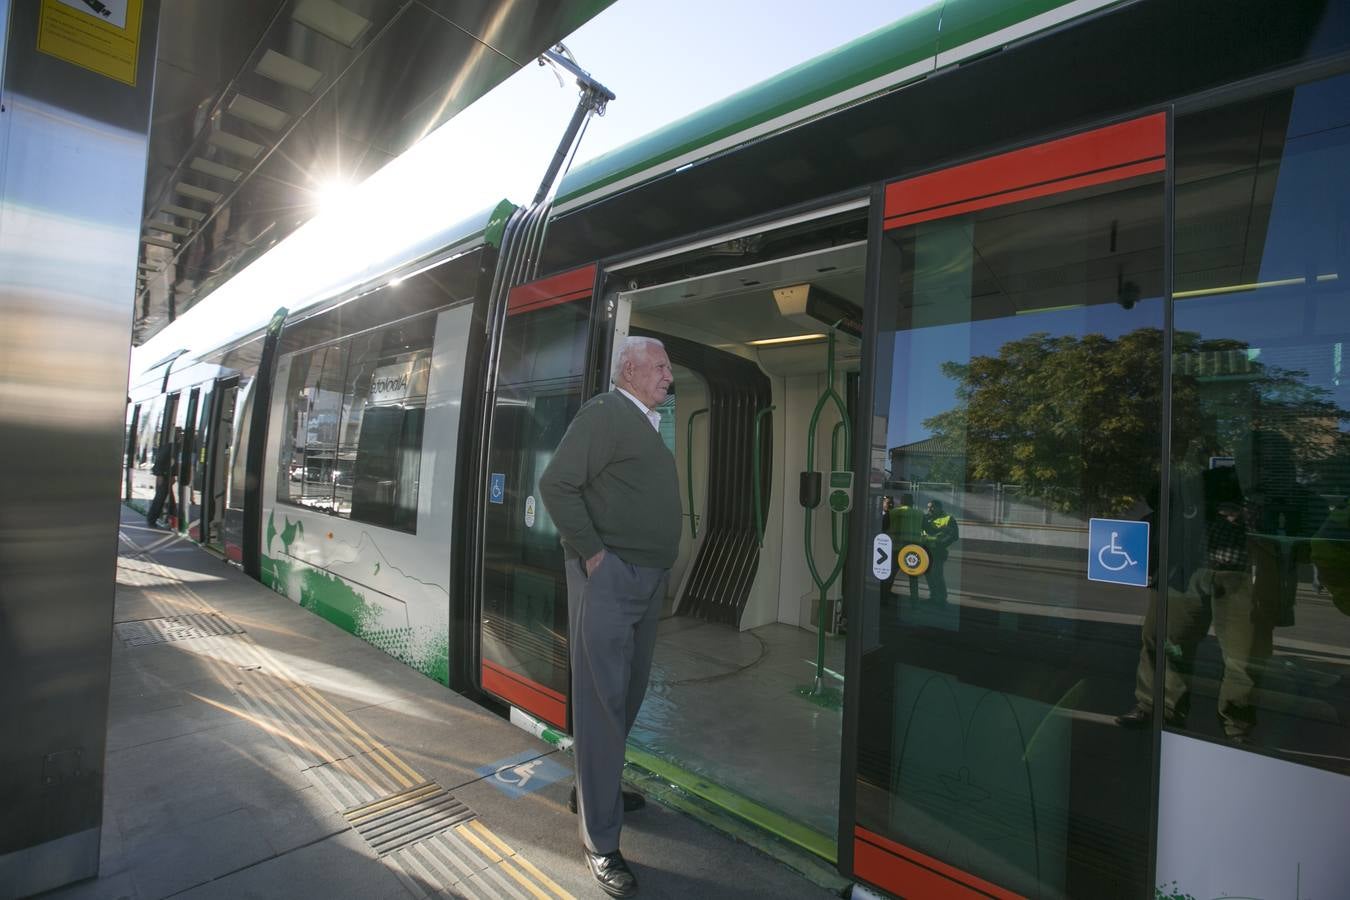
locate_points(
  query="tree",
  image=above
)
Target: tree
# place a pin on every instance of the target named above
(1074, 419)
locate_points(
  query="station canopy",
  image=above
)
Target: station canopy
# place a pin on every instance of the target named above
(260, 106)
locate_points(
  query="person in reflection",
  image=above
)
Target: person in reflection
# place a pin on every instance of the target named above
(162, 469)
(939, 532)
(905, 526)
(613, 492)
(1209, 582)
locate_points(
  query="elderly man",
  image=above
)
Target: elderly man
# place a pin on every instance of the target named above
(613, 492)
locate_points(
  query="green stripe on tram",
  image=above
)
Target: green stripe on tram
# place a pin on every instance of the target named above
(769, 820)
(939, 28)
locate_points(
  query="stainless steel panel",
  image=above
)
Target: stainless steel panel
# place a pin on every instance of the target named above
(73, 155)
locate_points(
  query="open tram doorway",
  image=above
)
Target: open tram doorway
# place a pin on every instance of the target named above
(752, 327)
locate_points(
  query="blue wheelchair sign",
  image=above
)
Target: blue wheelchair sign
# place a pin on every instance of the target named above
(497, 487)
(1118, 551)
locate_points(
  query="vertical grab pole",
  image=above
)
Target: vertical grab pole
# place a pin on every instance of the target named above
(689, 469)
(823, 584)
(754, 476)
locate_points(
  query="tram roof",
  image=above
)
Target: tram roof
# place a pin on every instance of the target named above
(944, 34)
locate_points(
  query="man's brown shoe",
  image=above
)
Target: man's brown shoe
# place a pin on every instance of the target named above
(615, 878)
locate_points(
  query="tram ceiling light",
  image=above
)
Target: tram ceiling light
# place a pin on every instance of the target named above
(793, 339)
(233, 143)
(215, 169)
(291, 72)
(331, 20)
(1254, 286)
(158, 242)
(183, 212)
(197, 193)
(258, 113)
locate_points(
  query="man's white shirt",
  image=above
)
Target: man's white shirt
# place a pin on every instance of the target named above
(652, 415)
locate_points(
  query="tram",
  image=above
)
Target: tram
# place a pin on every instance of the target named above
(1074, 275)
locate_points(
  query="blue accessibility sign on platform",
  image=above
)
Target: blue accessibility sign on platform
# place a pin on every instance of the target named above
(497, 487)
(1118, 551)
(523, 773)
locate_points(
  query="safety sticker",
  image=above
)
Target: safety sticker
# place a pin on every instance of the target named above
(1118, 551)
(103, 36)
(523, 773)
(881, 556)
(912, 559)
(529, 511)
(497, 487)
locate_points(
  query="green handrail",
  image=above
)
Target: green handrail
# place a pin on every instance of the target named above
(689, 469)
(754, 476)
(838, 524)
(823, 584)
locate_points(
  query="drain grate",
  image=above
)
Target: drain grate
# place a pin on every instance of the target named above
(420, 812)
(175, 628)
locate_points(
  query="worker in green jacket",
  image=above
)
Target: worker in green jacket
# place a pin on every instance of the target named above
(939, 533)
(904, 523)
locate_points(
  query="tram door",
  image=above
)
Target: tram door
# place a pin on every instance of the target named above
(1018, 395)
(540, 386)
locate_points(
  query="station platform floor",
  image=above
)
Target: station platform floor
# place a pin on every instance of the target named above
(256, 750)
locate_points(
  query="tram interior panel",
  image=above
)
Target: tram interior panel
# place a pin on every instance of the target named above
(734, 702)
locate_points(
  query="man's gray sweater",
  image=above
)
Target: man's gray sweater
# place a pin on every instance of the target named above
(612, 485)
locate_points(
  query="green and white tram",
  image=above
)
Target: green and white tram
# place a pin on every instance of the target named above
(1072, 276)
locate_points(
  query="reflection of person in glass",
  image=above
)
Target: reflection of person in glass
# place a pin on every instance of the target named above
(904, 524)
(939, 532)
(1209, 581)
(163, 470)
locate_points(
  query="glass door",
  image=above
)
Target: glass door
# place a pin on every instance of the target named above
(1018, 403)
(540, 387)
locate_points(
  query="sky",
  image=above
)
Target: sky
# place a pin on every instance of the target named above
(662, 60)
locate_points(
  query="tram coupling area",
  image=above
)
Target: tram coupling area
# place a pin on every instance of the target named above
(256, 750)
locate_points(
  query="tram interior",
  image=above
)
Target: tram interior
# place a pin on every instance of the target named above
(734, 696)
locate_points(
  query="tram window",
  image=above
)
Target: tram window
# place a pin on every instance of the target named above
(354, 417)
(1258, 580)
(1019, 395)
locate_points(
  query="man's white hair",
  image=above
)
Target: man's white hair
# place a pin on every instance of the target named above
(628, 350)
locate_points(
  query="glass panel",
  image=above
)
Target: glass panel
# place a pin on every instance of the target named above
(1259, 564)
(384, 407)
(309, 475)
(1019, 393)
(524, 586)
(354, 414)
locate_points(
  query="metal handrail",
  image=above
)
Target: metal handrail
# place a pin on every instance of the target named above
(754, 476)
(689, 470)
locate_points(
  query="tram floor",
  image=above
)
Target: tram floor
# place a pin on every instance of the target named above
(256, 750)
(734, 708)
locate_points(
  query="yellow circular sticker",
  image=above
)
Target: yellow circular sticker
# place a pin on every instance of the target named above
(912, 559)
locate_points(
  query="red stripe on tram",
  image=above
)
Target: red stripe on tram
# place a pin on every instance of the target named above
(574, 285)
(1108, 154)
(917, 876)
(536, 699)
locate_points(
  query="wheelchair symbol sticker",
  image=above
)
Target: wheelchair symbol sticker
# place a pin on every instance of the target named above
(1118, 551)
(523, 773)
(497, 487)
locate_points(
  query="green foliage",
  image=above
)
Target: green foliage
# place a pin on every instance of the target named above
(1071, 419)
(1074, 419)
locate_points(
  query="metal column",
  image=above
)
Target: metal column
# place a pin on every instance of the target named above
(74, 115)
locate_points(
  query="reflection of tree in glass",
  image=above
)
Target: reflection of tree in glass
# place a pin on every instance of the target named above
(1073, 419)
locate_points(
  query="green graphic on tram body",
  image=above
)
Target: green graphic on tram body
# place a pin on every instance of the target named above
(334, 599)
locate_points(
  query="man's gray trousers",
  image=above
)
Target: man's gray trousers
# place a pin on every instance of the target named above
(612, 617)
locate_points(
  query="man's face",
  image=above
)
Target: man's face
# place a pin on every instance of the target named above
(649, 375)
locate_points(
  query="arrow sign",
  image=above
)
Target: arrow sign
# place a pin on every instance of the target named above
(881, 556)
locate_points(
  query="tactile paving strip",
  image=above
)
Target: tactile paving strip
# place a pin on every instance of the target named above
(408, 817)
(175, 628)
